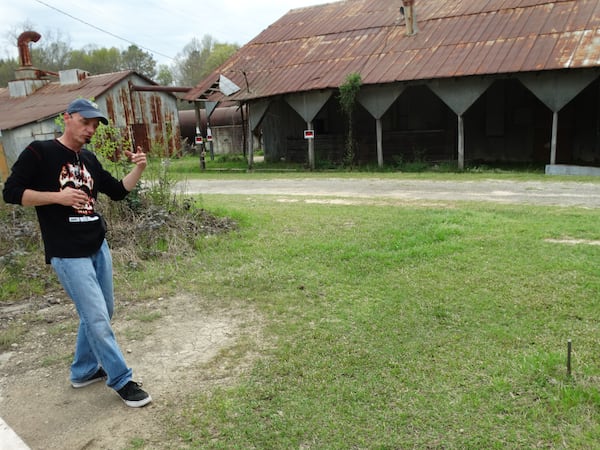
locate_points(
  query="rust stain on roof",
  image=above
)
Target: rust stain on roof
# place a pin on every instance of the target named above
(317, 47)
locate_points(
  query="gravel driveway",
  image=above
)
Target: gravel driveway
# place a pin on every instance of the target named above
(560, 193)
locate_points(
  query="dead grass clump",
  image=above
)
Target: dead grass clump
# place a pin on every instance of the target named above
(151, 231)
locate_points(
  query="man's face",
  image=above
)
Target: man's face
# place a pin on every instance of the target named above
(79, 128)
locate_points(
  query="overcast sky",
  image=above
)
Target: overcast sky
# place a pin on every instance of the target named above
(161, 28)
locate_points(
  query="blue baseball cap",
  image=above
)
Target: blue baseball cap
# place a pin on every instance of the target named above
(86, 109)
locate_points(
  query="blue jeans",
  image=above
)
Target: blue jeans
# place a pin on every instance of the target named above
(89, 283)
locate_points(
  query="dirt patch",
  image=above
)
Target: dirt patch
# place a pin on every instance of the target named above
(175, 355)
(573, 241)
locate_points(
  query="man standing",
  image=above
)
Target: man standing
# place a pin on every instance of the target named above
(61, 179)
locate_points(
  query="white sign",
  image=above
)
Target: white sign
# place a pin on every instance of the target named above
(309, 134)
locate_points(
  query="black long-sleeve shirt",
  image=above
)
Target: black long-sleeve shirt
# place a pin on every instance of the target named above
(50, 166)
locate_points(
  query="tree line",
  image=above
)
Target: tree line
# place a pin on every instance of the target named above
(53, 53)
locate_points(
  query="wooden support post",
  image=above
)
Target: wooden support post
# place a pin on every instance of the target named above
(379, 143)
(461, 143)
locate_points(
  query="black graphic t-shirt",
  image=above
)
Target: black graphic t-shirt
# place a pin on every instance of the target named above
(50, 166)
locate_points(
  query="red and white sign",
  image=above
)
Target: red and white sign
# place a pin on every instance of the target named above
(198, 140)
(309, 134)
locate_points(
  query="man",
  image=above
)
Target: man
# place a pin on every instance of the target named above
(61, 179)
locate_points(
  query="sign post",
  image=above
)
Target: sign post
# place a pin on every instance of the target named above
(200, 147)
(209, 139)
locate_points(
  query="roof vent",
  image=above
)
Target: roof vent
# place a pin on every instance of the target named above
(72, 76)
(407, 11)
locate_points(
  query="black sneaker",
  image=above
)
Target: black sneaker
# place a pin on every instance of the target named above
(133, 395)
(98, 376)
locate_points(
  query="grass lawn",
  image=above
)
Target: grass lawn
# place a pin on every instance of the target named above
(403, 325)
(391, 325)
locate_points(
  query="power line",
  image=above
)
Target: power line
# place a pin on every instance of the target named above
(102, 30)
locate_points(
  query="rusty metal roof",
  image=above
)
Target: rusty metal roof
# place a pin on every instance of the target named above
(317, 47)
(52, 99)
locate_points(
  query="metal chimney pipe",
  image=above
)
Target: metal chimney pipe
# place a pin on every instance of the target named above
(23, 44)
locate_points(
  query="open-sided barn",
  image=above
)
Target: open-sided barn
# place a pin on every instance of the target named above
(461, 81)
